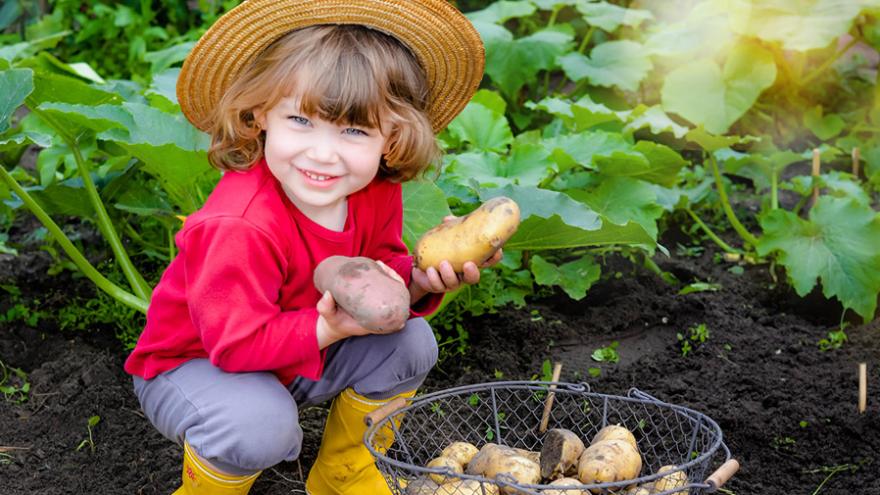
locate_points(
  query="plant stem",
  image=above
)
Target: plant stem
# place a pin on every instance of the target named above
(725, 205)
(833, 471)
(774, 191)
(712, 235)
(553, 15)
(586, 39)
(78, 259)
(138, 285)
(825, 65)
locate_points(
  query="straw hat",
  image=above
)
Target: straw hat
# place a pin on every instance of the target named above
(442, 39)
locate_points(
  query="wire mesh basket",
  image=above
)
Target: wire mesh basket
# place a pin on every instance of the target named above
(510, 414)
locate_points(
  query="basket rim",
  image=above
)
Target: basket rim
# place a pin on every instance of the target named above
(634, 395)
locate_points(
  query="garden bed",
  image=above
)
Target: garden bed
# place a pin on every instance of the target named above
(787, 409)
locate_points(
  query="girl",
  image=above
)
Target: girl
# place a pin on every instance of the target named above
(317, 111)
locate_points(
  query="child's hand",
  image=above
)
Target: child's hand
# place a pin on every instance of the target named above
(445, 279)
(334, 323)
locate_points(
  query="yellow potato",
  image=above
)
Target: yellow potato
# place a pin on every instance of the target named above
(467, 487)
(640, 490)
(462, 452)
(677, 479)
(480, 462)
(422, 486)
(444, 462)
(494, 460)
(566, 491)
(473, 237)
(608, 461)
(616, 432)
(560, 453)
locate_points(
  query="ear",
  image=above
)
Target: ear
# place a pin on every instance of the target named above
(260, 117)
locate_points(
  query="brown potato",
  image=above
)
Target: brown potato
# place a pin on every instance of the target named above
(494, 460)
(615, 432)
(375, 300)
(444, 462)
(608, 461)
(480, 462)
(564, 491)
(473, 237)
(462, 452)
(560, 453)
(675, 479)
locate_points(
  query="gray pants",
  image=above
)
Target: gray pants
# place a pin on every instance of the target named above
(245, 422)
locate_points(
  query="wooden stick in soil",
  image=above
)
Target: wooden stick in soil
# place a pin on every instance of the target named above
(548, 404)
(855, 162)
(863, 387)
(816, 164)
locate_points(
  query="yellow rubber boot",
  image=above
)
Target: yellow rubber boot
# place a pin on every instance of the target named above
(344, 465)
(200, 479)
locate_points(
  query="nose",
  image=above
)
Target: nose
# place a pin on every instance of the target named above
(322, 147)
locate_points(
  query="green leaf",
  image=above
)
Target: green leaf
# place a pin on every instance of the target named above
(527, 165)
(615, 63)
(823, 126)
(59, 88)
(704, 93)
(424, 206)
(165, 58)
(647, 161)
(712, 142)
(498, 12)
(797, 24)
(491, 100)
(15, 86)
(698, 287)
(552, 220)
(575, 277)
(760, 168)
(837, 245)
(655, 119)
(580, 115)
(569, 150)
(623, 199)
(513, 63)
(483, 128)
(609, 17)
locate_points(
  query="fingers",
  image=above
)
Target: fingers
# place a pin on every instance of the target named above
(494, 259)
(470, 273)
(326, 305)
(390, 272)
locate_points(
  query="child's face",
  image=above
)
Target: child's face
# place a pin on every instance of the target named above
(318, 163)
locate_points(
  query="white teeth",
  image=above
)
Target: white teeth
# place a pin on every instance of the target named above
(316, 176)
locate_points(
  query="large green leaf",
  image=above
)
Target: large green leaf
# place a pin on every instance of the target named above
(580, 115)
(424, 207)
(615, 63)
(647, 161)
(823, 126)
(513, 63)
(49, 86)
(610, 17)
(553, 220)
(701, 32)
(797, 24)
(483, 128)
(837, 245)
(623, 199)
(570, 150)
(575, 277)
(15, 86)
(527, 165)
(498, 12)
(655, 119)
(705, 94)
(761, 168)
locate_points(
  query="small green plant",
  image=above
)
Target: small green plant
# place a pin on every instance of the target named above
(695, 336)
(21, 312)
(835, 340)
(13, 384)
(93, 421)
(499, 374)
(833, 470)
(490, 431)
(473, 400)
(436, 409)
(783, 442)
(607, 354)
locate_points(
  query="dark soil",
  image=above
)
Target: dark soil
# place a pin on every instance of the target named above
(788, 410)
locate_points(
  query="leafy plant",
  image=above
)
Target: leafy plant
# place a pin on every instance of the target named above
(835, 340)
(92, 422)
(13, 384)
(607, 354)
(693, 338)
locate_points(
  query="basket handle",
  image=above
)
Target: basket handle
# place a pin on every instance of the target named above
(381, 413)
(722, 474)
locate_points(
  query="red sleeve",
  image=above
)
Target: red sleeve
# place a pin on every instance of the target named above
(391, 250)
(233, 275)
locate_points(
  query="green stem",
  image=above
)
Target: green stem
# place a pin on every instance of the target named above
(774, 191)
(553, 15)
(135, 280)
(586, 40)
(78, 259)
(172, 248)
(139, 239)
(712, 235)
(822, 68)
(728, 210)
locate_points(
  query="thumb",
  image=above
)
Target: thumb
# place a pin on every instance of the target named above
(326, 305)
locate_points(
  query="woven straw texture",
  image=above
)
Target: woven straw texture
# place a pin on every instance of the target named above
(442, 39)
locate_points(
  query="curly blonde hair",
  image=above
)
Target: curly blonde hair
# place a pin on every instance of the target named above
(347, 75)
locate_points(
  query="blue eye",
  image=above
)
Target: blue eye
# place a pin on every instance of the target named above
(299, 120)
(353, 131)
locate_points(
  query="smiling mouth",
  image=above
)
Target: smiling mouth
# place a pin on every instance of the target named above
(317, 177)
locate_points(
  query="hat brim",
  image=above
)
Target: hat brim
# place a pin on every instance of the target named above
(445, 43)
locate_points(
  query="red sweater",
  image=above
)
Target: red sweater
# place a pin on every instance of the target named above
(240, 290)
